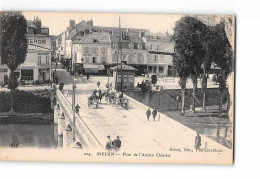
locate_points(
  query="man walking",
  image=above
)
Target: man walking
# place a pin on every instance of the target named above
(148, 113)
(77, 109)
(98, 84)
(116, 143)
(154, 113)
(197, 142)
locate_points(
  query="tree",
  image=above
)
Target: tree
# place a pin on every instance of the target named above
(182, 70)
(189, 36)
(221, 54)
(13, 45)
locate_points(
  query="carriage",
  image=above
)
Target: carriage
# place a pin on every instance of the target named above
(93, 101)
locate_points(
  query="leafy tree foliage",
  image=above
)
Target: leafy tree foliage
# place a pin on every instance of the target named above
(222, 54)
(197, 46)
(13, 44)
(189, 37)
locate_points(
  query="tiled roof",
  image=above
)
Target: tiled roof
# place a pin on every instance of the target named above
(124, 67)
(83, 25)
(116, 29)
(95, 37)
(72, 34)
(31, 24)
(129, 37)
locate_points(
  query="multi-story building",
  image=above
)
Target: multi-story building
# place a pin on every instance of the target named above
(37, 65)
(91, 52)
(160, 48)
(133, 51)
(139, 48)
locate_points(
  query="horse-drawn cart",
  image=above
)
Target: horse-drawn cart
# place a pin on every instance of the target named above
(123, 102)
(92, 101)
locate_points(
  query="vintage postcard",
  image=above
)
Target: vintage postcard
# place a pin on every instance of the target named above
(117, 88)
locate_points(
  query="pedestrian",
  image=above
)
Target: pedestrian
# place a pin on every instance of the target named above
(116, 143)
(87, 76)
(109, 144)
(77, 109)
(98, 84)
(154, 113)
(148, 113)
(197, 141)
(100, 95)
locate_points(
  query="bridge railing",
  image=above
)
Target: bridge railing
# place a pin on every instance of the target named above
(86, 136)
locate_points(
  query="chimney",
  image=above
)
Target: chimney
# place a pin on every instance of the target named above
(38, 26)
(72, 23)
(91, 22)
(141, 34)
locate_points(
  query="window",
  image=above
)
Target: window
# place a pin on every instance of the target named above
(86, 60)
(140, 58)
(95, 50)
(43, 59)
(94, 59)
(118, 78)
(157, 47)
(155, 69)
(162, 58)
(131, 78)
(151, 47)
(39, 59)
(114, 57)
(47, 59)
(103, 50)
(155, 58)
(161, 69)
(135, 46)
(150, 69)
(103, 59)
(131, 58)
(86, 50)
(125, 78)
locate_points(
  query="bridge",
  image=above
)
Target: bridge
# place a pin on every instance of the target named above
(93, 125)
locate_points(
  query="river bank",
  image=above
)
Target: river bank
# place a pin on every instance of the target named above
(25, 102)
(31, 118)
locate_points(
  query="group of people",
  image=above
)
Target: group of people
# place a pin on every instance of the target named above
(154, 113)
(113, 145)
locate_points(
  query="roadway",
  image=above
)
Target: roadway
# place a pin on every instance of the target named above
(131, 125)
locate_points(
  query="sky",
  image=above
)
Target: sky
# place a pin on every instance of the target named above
(59, 21)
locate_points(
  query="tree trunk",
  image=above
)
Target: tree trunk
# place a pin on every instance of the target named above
(194, 80)
(204, 87)
(204, 100)
(12, 102)
(183, 102)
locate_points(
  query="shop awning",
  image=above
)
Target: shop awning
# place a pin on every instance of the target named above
(93, 66)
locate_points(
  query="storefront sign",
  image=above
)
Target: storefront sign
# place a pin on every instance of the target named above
(40, 41)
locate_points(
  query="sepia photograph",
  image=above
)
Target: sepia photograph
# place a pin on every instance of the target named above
(117, 87)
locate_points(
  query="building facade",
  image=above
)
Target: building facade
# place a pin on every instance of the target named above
(37, 65)
(160, 49)
(92, 52)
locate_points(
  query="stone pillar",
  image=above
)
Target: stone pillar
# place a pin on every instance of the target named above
(61, 124)
(35, 74)
(56, 114)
